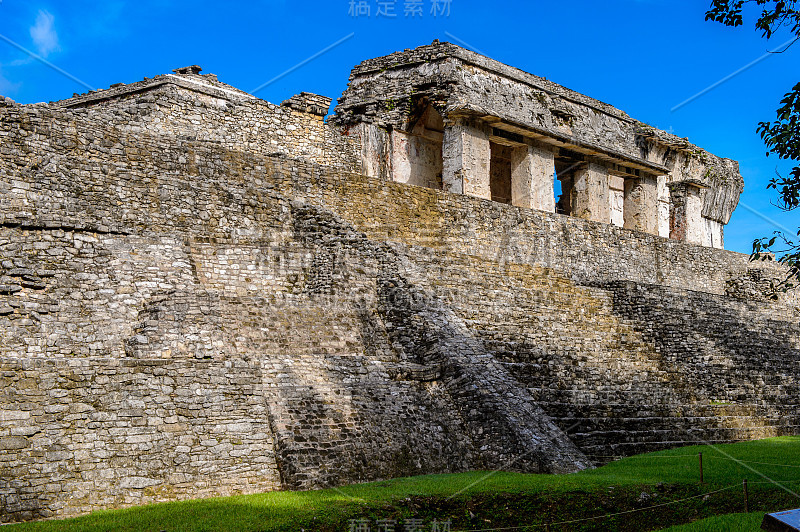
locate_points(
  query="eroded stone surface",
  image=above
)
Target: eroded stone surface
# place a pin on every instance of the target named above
(204, 294)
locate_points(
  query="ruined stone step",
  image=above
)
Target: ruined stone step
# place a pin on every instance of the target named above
(599, 439)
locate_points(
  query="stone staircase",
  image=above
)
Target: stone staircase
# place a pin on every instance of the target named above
(600, 373)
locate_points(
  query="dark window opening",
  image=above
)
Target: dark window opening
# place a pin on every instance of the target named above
(558, 193)
(500, 173)
(567, 164)
(563, 185)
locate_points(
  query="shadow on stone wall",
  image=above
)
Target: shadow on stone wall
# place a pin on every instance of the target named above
(736, 361)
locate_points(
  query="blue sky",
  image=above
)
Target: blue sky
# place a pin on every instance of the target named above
(643, 56)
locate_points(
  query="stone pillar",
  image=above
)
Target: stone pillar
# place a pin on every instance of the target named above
(416, 160)
(641, 204)
(590, 194)
(466, 154)
(686, 213)
(663, 206)
(375, 151)
(713, 236)
(533, 170)
(616, 190)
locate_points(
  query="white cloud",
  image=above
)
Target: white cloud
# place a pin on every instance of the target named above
(44, 34)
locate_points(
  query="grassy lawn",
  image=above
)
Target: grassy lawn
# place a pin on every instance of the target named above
(723, 523)
(481, 500)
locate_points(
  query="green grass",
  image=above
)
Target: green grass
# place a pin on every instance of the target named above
(723, 523)
(718, 467)
(485, 500)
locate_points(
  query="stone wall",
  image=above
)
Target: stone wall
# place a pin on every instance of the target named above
(182, 317)
(174, 106)
(82, 434)
(629, 344)
(144, 262)
(584, 252)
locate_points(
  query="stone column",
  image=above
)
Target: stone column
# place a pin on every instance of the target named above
(590, 194)
(663, 206)
(714, 234)
(375, 152)
(532, 173)
(641, 204)
(616, 190)
(686, 213)
(466, 154)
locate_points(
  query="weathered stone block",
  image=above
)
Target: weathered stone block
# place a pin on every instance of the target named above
(532, 178)
(466, 159)
(590, 194)
(11, 443)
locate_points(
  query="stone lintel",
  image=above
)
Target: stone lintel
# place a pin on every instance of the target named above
(626, 163)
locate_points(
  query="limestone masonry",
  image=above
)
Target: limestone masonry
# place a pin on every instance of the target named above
(202, 293)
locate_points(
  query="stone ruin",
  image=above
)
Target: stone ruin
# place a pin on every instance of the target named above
(202, 293)
(443, 117)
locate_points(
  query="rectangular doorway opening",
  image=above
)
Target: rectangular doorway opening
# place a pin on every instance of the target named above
(500, 173)
(417, 155)
(567, 164)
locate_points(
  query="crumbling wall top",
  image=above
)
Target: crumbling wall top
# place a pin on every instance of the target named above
(185, 77)
(310, 103)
